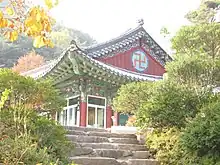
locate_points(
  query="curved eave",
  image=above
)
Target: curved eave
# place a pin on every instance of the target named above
(89, 66)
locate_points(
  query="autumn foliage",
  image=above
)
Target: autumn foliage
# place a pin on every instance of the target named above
(28, 62)
(18, 19)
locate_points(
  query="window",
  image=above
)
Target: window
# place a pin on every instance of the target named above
(73, 101)
(96, 101)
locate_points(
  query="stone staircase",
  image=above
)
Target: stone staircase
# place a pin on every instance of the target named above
(99, 147)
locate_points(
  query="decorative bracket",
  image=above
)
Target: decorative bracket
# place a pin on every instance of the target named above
(74, 64)
(83, 88)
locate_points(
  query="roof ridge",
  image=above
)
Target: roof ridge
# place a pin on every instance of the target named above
(129, 31)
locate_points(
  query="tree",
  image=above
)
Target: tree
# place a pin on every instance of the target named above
(28, 62)
(62, 36)
(21, 19)
(198, 39)
(26, 137)
(204, 13)
(130, 96)
(195, 71)
(39, 94)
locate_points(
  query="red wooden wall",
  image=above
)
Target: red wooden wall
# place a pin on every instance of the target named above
(124, 60)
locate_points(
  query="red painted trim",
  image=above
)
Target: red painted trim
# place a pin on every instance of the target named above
(124, 60)
(83, 113)
(149, 56)
(109, 114)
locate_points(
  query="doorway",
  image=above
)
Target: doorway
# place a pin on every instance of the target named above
(96, 112)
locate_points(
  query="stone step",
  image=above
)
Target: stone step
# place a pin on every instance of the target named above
(123, 140)
(98, 139)
(87, 139)
(131, 147)
(141, 155)
(80, 151)
(85, 129)
(101, 134)
(141, 162)
(94, 161)
(110, 153)
(111, 161)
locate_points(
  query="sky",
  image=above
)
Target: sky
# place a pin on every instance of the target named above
(106, 19)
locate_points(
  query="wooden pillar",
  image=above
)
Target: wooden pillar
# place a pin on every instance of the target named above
(83, 113)
(83, 104)
(109, 114)
(116, 119)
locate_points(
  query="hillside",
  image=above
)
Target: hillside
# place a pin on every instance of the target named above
(10, 52)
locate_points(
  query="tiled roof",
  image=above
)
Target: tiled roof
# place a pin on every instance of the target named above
(90, 54)
(106, 48)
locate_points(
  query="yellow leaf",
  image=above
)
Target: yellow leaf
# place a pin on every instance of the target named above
(1, 15)
(39, 42)
(13, 36)
(50, 43)
(3, 23)
(49, 3)
(9, 11)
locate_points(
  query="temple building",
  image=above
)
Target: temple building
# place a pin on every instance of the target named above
(90, 77)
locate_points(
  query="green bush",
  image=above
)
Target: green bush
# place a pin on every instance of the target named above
(22, 151)
(43, 140)
(164, 144)
(136, 93)
(25, 137)
(47, 133)
(201, 136)
(171, 105)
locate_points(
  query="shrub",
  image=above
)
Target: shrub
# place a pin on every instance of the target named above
(171, 105)
(130, 96)
(47, 133)
(164, 145)
(22, 151)
(201, 136)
